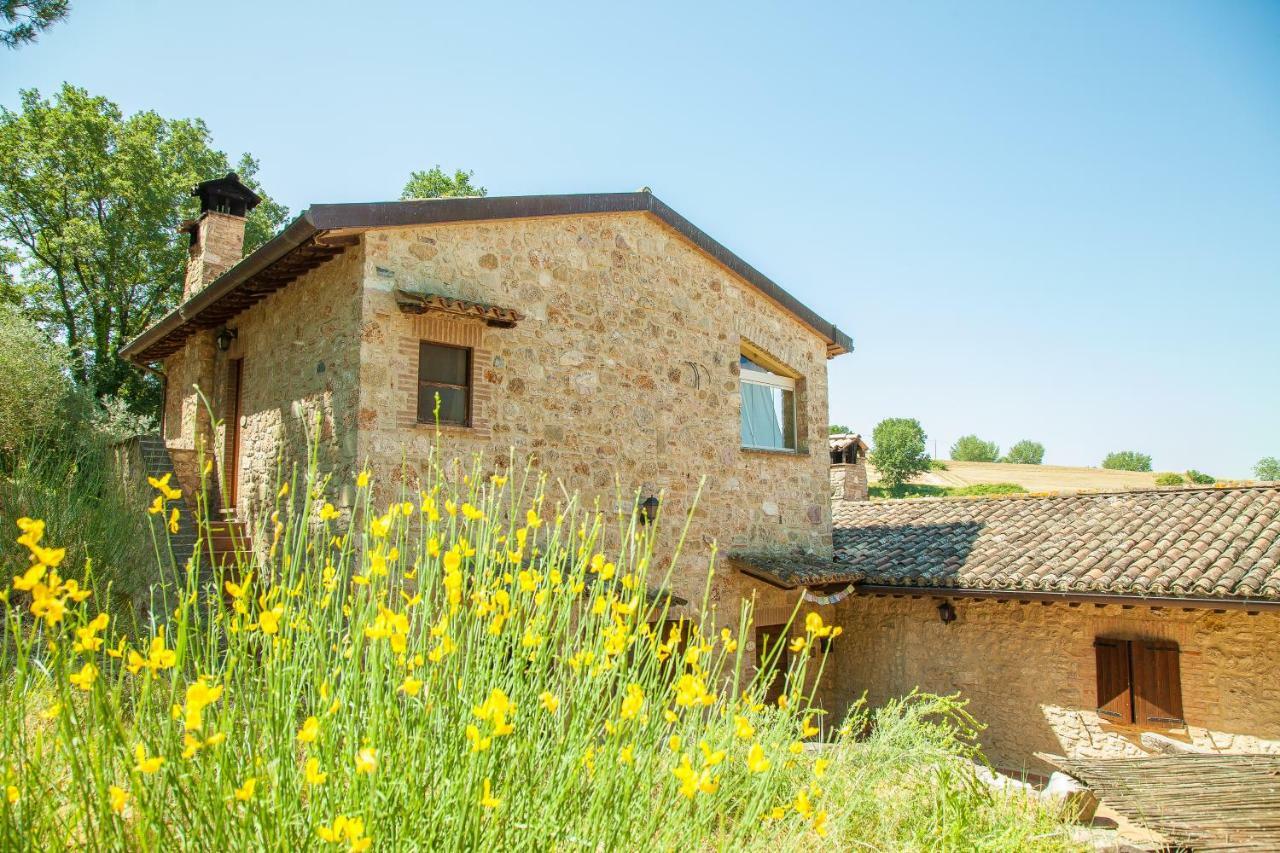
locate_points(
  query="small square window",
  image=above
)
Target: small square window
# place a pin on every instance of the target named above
(444, 374)
(768, 407)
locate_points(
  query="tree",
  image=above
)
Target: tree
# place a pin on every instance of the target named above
(91, 200)
(970, 448)
(899, 452)
(1199, 477)
(839, 429)
(1127, 460)
(434, 183)
(33, 381)
(26, 19)
(1268, 468)
(1026, 452)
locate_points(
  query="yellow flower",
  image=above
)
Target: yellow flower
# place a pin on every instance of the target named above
(807, 729)
(284, 490)
(269, 620)
(798, 644)
(802, 805)
(743, 728)
(362, 480)
(673, 743)
(820, 767)
(198, 697)
(85, 677)
(173, 520)
(159, 656)
(727, 640)
(328, 512)
(549, 701)
(162, 485)
(313, 774)
(145, 764)
(820, 823)
(87, 639)
(411, 686)
(346, 829)
(471, 513)
(633, 703)
(531, 519)
(498, 480)
(796, 747)
(756, 761)
(627, 755)
(52, 712)
(118, 797)
(478, 744)
(157, 505)
(245, 791)
(487, 799)
(310, 730)
(366, 760)
(12, 794)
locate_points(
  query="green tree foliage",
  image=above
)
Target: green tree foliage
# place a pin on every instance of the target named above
(839, 429)
(970, 448)
(1168, 478)
(1200, 478)
(1127, 460)
(435, 183)
(91, 200)
(1025, 452)
(33, 381)
(1268, 468)
(899, 451)
(23, 20)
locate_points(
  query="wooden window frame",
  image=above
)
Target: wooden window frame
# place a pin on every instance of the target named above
(1139, 682)
(468, 389)
(778, 686)
(777, 377)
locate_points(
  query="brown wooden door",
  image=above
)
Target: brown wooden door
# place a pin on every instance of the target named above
(1157, 684)
(231, 446)
(769, 637)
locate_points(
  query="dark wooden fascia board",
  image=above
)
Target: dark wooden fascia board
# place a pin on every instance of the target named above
(1172, 602)
(320, 218)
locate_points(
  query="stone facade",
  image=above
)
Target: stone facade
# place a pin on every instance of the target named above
(217, 244)
(1029, 672)
(624, 371)
(623, 374)
(849, 481)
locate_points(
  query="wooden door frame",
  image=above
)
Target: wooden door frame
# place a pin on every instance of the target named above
(231, 442)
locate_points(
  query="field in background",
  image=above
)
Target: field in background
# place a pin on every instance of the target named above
(1033, 478)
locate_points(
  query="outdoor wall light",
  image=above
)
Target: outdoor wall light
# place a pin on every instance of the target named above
(648, 510)
(946, 612)
(224, 338)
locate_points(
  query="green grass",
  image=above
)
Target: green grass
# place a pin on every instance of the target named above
(472, 666)
(915, 490)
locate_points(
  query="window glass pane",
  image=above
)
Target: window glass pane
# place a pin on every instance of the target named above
(447, 365)
(453, 404)
(768, 416)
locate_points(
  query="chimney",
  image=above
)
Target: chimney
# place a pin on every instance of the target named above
(217, 234)
(848, 468)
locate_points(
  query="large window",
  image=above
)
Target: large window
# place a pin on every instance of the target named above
(444, 372)
(768, 407)
(1139, 682)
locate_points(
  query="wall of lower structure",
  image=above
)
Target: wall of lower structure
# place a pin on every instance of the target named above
(1028, 670)
(622, 376)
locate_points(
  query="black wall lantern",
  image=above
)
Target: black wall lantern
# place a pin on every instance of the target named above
(224, 338)
(946, 613)
(648, 510)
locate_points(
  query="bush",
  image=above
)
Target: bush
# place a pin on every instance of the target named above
(938, 465)
(970, 448)
(470, 671)
(987, 489)
(1127, 460)
(1268, 468)
(34, 382)
(1025, 453)
(899, 450)
(1169, 479)
(1200, 479)
(839, 429)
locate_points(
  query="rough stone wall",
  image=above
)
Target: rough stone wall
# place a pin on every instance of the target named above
(219, 245)
(624, 369)
(300, 350)
(1029, 673)
(849, 481)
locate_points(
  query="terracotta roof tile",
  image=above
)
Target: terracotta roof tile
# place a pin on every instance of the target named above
(1191, 542)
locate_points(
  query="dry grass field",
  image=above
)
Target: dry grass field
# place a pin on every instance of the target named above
(1033, 478)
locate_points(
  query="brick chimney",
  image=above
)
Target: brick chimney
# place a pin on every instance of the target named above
(217, 234)
(848, 468)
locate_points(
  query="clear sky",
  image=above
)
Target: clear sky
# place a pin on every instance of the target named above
(1058, 222)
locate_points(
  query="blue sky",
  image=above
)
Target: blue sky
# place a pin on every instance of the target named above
(1058, 222)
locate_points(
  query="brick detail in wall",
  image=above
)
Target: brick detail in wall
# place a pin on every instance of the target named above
(444, 329)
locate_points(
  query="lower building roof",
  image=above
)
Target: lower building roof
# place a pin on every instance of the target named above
(1219, 543)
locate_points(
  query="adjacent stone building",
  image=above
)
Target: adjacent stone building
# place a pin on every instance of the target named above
(605, 336)
(1072, 624)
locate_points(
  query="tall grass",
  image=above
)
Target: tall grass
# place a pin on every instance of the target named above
(472, 666)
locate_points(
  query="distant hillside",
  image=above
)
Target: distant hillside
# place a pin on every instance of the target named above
(1033, 478)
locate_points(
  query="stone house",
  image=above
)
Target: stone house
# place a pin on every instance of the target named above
(605, 335)
(1073, 624)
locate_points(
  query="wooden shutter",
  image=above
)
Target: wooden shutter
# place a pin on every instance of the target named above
(1115, 698)
(231, 439)
(1157, 684)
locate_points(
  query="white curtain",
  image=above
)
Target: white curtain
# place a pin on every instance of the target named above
(760, 424)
